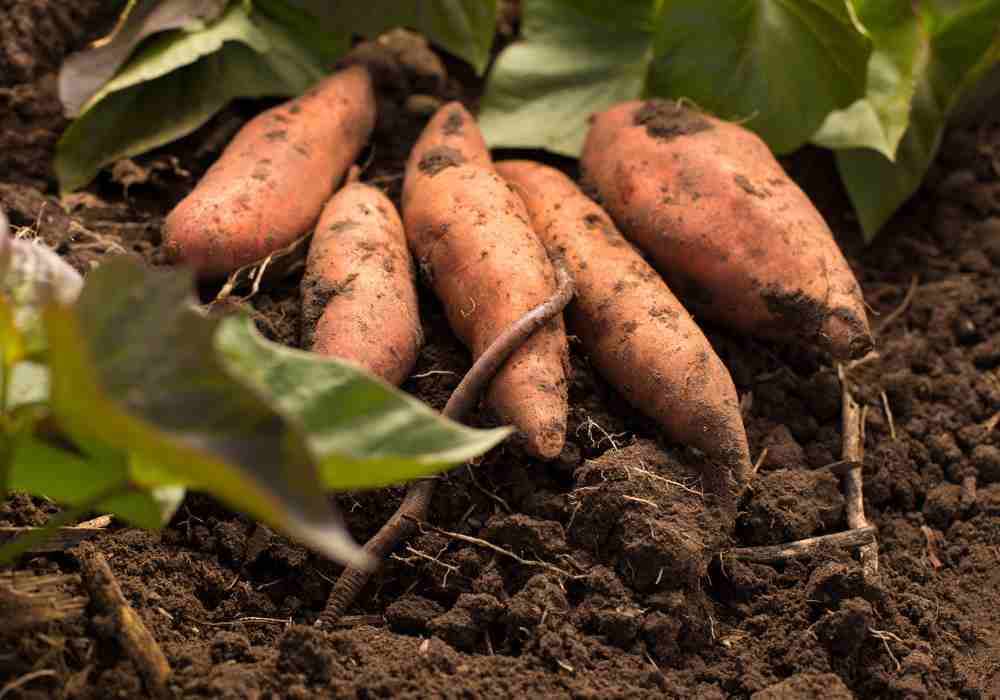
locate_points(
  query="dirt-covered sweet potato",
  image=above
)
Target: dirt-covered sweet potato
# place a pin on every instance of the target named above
(270, 184)
(636, 332)
(473, 239)
(359, 297)
(733, 235)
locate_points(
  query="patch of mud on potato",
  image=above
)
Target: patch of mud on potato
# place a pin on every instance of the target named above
(440, 158)
(665, 119)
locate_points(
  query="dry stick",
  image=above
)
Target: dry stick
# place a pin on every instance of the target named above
(802, 548)
(888, 415)
(403, 524)
(98, 522)
(852, 450)
(135, 638)
(19, 683)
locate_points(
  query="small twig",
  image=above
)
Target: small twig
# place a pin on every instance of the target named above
(462, 401)
(903, 306)
(644, 501)
(990, 424)
(852, 450)
(469, 539)
(872, 355)
(590, 424)
(888, 415)
(137, 641)
(431, 373)
(801, 548)
(885, 637)
(417, 554)
(671, 482)
(760, 460)
(100, 521)
(18, 683)
(245, 620)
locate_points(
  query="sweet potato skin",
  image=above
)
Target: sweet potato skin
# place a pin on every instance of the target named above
(636, 332)
(270, 183)
(473, 239)
(359, 296)
(733, 235)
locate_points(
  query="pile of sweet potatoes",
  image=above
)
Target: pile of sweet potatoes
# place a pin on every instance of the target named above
(730, 238)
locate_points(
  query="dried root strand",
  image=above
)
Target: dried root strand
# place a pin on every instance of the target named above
(852, 450)
(802, 548)
(403, 524)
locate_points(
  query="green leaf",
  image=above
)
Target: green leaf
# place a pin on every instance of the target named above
(574, 58)
(167, 52)
(82, 74)
(780, 65)
(148, 115)
(879, 120)
(302, 30)
(12, 347)
(958, 48)
(462, 27)
(176, 83)
(34, 274)
(364, 433)
(134, 370)
(70, 479)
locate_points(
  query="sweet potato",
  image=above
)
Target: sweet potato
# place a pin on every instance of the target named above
(638, 335)
(270, 184)
(359, 298)
(473, 239)
(733, 235)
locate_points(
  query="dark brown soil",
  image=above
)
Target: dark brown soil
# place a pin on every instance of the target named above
(614, 589)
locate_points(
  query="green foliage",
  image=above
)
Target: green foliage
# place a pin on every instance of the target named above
(188, 65)
(962, 46)
(363, 433)
(140, 395)
(876, 80)
(176, 82)
(573, 58)
(780, 66)
(462, 27)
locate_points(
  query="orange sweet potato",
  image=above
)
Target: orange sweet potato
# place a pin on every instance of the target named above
(359, 297)
(472, 236)
(270, 184)
(733, 235)
(638, 335)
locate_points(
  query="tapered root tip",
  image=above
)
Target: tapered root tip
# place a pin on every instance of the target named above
(846, 336)
(546, 444)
